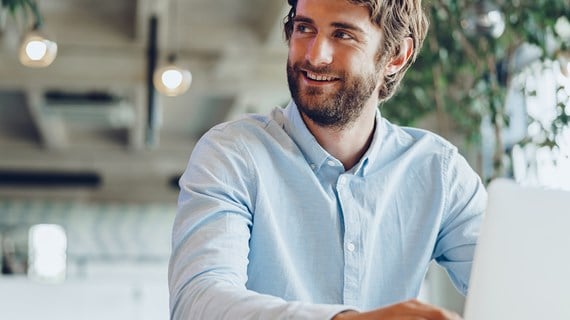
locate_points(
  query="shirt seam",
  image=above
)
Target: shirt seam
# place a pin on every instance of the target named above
(447, 160)
(251, 172)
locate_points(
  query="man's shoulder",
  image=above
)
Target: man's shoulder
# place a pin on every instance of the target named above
(248, 129)
(413, 136)
(247, 124)
(244, 123)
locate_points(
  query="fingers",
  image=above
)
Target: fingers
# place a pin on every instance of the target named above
(410, 310)
(430, 312)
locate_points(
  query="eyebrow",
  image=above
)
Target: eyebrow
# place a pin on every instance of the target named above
(347, 26)
(340, 25)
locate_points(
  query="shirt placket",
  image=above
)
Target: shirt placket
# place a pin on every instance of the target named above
(351, 244)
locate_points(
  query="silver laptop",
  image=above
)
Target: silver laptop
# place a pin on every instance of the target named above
(522, 262)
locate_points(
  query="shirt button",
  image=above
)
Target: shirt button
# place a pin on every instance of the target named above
(350, 246)
(341, 180)
(313, 166)
(330, 163)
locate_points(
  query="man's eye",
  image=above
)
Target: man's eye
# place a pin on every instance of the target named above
(342, 35)
(302, 28)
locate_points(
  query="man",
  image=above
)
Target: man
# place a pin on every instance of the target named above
(325, 210)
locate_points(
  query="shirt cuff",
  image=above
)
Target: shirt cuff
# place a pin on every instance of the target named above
(323, 311)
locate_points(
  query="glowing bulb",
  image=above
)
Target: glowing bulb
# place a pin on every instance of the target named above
(172, 78)
(36, 50)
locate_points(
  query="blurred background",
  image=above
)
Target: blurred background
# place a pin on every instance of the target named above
(101, 103)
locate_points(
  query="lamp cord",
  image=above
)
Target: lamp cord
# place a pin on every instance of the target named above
(37, 15)
(174, 50)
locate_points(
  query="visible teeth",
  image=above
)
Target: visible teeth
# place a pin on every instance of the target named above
(318, 77)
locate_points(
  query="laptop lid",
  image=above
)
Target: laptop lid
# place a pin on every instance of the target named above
(522, 262)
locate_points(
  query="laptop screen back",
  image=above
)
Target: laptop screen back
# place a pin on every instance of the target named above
(522, 262)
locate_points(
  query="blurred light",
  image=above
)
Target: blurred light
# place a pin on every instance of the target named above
(47, 253)
(171, 80)
(564, 60)
(562, 28)
(36, 50)
(484, 17)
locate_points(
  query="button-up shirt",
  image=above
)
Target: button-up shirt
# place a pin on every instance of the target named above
(271, 226)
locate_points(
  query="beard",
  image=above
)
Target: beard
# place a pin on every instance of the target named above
(334, 109)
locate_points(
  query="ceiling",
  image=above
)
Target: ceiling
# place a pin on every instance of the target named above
(87, 114)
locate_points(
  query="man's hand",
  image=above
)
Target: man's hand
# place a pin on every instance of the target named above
(408, 310)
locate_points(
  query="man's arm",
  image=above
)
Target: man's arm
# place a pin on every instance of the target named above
(210, 244)
(465, 202)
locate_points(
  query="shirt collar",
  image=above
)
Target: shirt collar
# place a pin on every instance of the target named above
(361, 168)
(295, 126)
(315, 154)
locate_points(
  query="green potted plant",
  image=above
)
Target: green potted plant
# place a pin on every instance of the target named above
(464, 69)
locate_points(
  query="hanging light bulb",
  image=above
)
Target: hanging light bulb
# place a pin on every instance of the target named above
(36, 50)
(172, 80)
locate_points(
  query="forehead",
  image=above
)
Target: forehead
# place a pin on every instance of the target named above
(335, 11)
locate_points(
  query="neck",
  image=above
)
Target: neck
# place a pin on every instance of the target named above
(346, 144)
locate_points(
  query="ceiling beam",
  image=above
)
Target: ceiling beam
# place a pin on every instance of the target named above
(101, 157)
(51, 128)
(96, 68)
(137, 131)
(269, 20)
(273, 35)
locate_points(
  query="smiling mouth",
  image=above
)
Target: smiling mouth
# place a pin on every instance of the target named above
(319, 77)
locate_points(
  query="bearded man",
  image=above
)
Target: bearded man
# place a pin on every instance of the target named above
(324, 209)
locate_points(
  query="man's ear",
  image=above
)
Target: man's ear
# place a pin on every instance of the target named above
(402, 56)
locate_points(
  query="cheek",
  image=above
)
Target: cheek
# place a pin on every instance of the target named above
(354, 60)
(358, 65)
(296, 50)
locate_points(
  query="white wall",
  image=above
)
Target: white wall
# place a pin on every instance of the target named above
(116, 267)
(122, 294)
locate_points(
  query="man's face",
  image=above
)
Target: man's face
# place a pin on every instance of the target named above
(332, 68)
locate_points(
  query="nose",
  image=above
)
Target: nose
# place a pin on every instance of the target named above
(319, 52)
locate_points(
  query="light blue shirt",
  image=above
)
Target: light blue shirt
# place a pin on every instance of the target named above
(271, 226)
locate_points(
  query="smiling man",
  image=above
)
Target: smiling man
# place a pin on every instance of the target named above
(324, 209)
